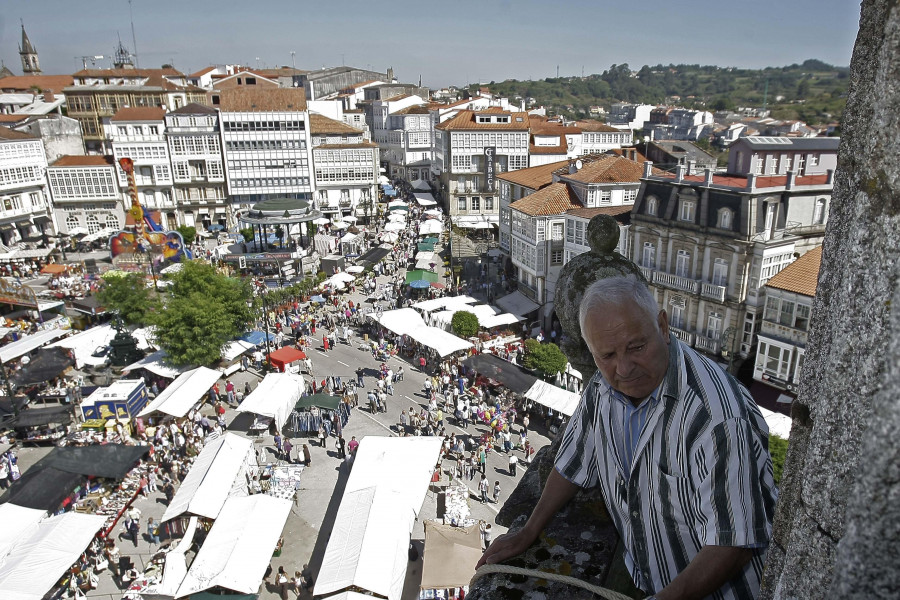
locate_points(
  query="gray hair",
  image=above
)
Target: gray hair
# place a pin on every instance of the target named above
(617, 291)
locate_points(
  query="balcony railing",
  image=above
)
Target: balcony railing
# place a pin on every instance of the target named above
(706, 344)
(528, 292)
(681, 334)
(647, 272)
(675, 282)
(713, 291)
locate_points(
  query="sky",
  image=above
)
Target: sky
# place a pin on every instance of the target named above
(450, 42)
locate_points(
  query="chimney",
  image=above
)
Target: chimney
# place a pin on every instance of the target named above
(791, 180)
(708, 177)
(648, 168)
(48, 96)
(679, 173)
(751, 181)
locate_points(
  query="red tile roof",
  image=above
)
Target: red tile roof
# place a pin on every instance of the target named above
(597, 126)
(561, 149)
(555, 199)
(589, 213)
(465, 120)
(89, 160)
(533, 177)
(320, 124)
(9, 134)
(13, 118)
(416, 109)
(24, 83)
(801, 276)
(140, 113)
(262, 100)
(610, 168)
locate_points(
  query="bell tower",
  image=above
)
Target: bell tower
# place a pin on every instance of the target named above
(30, 63)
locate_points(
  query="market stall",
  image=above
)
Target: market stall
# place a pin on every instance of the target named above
(124, 399)
(40, 425)
(27, 343)
(553, 397)
(184, 393)
(425, 199)
(239, 546)
(85, 343)
(450, 556)
(219, 472)
(274, 397)
(155, 363)
(506, 373)
(19, 523)
(287, 359)
(35, 564)
(368, 545)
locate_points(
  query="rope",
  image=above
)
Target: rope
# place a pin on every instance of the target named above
(508, 570)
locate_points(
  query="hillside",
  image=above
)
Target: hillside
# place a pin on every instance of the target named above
(814, 92)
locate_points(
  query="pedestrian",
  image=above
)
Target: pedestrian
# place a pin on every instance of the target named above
(496, 492)
(134, 529)
(322, 435)
(282, 583)
(325, 343)
(306, 458)
(483, 486)
(246, 389)
(169, 491)
(513, 461)
(229, 392)
(341, 446)
(486, 535)
(359, 377)
(288, 446)
(353, 445)
(277, 442)
(153, 531)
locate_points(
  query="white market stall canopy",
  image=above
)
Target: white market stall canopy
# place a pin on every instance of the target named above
(155, 363)
(182, 394)
(235, 348)
(384, 494)
(217, 473)
(406, 321)
(445, 302)
(394, 203)
(778, 423)
(275, 396)
(450, 556)
(239, 546)
(553, 397)
(402, 321)
(175, 568)
(499, 320)
(83, 344)
(27, 343)
(19, 523)
(394, 227)
(425, 199)
(430, 226)
(517, 303)
(421, 184)
(35, 564)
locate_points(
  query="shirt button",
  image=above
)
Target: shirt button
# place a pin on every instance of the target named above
(635, 514)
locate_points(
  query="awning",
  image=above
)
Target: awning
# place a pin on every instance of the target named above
(417, 274)
(239, 546)
(35, 565)
(44, 489)
(430, 226)
(233, 349)
(450, 556)
(84, 343)
(218, 473)
(402, 321)
(517, 303)
(421, 184)
(285, 356)
(49, 364)
(257, 338)
(41, 219)
(27, 343)
(553, 397)
(326, 401)
(374, 255)
(440, 341)
(54, 269)
(181, 395)
(425, 199)
(368, 543)
(445, 302)
(506, 373)
(34, 417)
(19, 524)
(275, 396)
(112, 461)
(155, 363)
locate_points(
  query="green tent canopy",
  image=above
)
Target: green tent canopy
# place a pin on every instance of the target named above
(403, 208)
(417, 274)
(425, 247)
(326, 401)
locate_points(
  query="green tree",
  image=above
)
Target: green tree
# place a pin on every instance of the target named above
(248, 234)
(188, 233)
(203, 311)
(778, 449)
(127, 295)
(546, 358)
(464, 324)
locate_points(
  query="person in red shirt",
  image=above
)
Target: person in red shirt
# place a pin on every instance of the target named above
(325, 342)
(353, 445)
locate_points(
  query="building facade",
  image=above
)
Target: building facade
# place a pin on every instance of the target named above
(266, 144)
(86, 194)
(24, 199)
(783, 331)
(407, 143)
(345, 164)
(707, 244)
(139, 134)
(763, 155)
(198, 171)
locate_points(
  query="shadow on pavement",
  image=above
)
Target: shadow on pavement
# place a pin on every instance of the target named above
(318, 553)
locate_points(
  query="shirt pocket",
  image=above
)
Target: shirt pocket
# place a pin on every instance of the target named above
(673, 502)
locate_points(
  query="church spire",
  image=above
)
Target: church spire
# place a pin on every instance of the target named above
(30, 63)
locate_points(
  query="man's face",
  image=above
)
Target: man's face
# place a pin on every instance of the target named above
(629, 347)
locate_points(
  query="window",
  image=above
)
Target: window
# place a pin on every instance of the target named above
(720, 272)
(462, 204)
(652, 206)
(772, 307)
(760, 163)
(556, 257)
(777, 360)
(683, 263)
(787, 313)
(71, 222)
(725, 216)
(801, 316)
(605, 196)
(770, 217)
(154, 129)
(687, 210)
(814, 160)
(648, 257)
(476, 203)
(112, 222)
(677, 317)
(556, 231)
(93, 224)
(819, 214)
(629, 196)
(714, 326)
(489, 203)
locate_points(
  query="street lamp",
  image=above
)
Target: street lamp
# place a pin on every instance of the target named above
(265, 307)
(61, 238)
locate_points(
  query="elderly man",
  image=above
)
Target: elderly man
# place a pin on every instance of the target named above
(678, 448)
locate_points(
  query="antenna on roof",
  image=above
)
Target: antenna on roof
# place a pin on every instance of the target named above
(133, 39)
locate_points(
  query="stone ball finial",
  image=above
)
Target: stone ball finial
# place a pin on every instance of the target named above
(578, 274)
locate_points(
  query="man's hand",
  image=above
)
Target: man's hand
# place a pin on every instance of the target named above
(507, 546)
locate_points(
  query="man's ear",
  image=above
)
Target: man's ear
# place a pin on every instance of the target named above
(663, 320)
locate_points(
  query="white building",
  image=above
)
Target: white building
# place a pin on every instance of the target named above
(765, 155)
(86, 193)
(24, 198)
(265, 137)
(346, 167)
(407, 143)
(139, 134)
(783, 331)
(198, 171)
(629, 116)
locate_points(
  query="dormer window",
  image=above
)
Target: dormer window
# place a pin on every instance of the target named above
(687, 210)
(725, 218)
(652, 206)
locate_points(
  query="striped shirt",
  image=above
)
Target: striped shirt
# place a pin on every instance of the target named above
(701, 473)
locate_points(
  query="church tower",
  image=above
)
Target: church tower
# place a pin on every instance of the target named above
(30, 63)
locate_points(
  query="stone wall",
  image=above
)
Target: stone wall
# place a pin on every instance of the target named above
(837, 528)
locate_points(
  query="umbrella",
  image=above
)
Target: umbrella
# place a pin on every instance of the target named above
(340, 225)
(349, 218)
(418, 274)
(400, 208)
(397, 218)
(389, 237)
(393, 203)
(342, 277)
(382, 179)
(321, 221)
(355, 269)
(430, 227)
(317, 299)
(419, 284)
(434, 212)
(394, 227)
(437, 284)
(481, 225)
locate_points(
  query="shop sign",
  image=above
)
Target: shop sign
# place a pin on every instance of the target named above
(13, 292)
